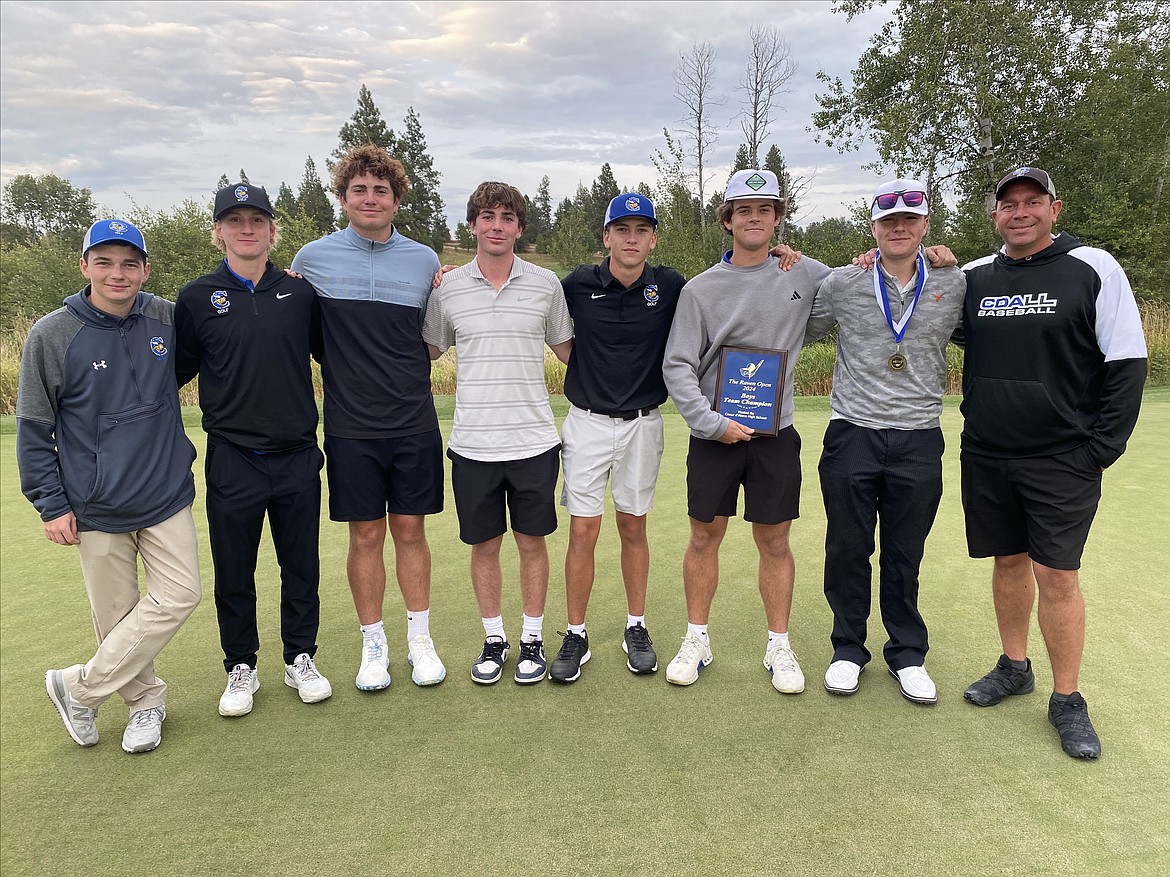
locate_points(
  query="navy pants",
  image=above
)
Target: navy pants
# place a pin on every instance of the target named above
(869, 475)
(242, 486)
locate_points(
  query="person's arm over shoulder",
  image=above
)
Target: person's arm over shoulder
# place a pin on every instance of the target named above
(558, 325)
(41, 379)
(436, 328)
(1123, 344)
(188, 346)
(680, 368)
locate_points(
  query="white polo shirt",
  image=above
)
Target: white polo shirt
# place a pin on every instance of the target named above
(501, 398)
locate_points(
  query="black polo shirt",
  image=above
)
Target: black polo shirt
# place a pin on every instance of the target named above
(619, 337)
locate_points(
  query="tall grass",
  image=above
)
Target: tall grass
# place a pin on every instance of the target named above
(814, 370)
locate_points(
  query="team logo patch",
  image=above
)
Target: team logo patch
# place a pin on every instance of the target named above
(633, 204)
(1021, 172)
(241, 193)
(755, 182)
(117, 227)
(158, 345)
(1017, 305)
(219, 301)
(651, 294)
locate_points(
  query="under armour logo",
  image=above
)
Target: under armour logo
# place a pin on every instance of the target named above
(795, 296)
(98, 365)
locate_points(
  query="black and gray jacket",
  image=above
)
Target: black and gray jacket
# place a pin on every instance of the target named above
(1055, 355)
(98, 427)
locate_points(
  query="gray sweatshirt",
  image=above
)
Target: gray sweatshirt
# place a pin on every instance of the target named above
(866, 392)
(760, 306)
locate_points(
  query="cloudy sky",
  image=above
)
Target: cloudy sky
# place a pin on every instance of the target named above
(153, 101)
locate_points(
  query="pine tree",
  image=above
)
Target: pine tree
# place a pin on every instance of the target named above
(421, 214)
(541, 217)
(313, 200)
(603, 190)
(789, 188)
(286, 202)
(364, 126)
(244, 178)
(223, 183)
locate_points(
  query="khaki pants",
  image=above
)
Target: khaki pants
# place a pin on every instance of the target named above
(132, 627)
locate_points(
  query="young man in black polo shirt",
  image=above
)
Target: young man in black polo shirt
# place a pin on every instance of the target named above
(247, 330)
(622, 311)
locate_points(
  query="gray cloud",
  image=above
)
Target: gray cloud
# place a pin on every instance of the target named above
(159, 100)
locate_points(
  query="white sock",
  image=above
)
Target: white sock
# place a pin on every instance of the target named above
(373, 631)
(699, 630)
(774, 638)
(533, 628)
(578, 629)
(494, 627)
(631, 620)
(418, 623)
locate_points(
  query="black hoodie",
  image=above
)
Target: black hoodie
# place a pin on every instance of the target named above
(1055, 355)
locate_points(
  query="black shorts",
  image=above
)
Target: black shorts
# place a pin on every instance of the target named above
(526, 487)
(370, 478)
(768, 468)
(1040, 505)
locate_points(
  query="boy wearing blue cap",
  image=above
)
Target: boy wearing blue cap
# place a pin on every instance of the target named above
(622, 311)
(104, 459)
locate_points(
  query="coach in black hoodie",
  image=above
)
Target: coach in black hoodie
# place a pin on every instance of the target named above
(1052, 382)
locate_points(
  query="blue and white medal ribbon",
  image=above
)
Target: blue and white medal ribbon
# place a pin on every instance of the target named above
(897, 360)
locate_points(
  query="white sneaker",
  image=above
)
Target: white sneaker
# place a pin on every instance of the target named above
(781, 662)
(421, 655)
(144, 732)
(693, 656)
(302, 675)
(841, 677)
(916, 684)
(374, 673)
(80, 721)
(236, 699)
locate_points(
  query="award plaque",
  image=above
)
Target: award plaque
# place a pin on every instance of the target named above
(751, 380)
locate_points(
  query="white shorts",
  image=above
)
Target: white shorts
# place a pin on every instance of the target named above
(596, 447)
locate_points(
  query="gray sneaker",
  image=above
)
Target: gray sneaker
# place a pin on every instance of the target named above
(144, 732)
(80, 721)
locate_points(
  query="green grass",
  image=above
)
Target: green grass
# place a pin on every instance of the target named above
(614, 774)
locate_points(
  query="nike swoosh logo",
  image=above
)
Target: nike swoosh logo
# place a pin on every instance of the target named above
(286, 295)
(598, 295)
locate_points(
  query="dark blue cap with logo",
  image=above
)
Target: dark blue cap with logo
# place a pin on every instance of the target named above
(630, 204)
(241, 195)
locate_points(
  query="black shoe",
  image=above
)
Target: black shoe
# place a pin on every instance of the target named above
(489, 666)
(1071, 720)
(531, 666)
(574, 652)
(1000, 682)
(637, 646)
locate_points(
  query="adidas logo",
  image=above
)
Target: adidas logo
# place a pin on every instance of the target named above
(795, 296)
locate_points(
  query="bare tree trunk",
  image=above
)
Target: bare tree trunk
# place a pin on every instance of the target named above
(693, 79)
(769, 68)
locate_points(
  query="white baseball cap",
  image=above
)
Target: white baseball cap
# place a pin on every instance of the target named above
(752, 184)
(899, 196)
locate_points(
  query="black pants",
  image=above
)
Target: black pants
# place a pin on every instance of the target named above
(867, 474)
(241, 486)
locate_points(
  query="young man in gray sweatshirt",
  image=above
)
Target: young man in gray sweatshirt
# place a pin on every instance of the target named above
(744, 301)
(883, 447)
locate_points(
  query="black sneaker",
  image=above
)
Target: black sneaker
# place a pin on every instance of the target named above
(1003, 680)
(637, 646)
(574, 652)
(1071, 720)
(531, 666)
(489, 666)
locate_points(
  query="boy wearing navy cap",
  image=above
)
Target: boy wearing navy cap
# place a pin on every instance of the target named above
(247, 330)
(104, 459)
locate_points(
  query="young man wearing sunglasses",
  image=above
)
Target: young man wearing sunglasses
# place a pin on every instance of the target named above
(1052, 383)
(883, 447)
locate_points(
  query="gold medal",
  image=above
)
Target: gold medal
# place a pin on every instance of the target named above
(897, 362)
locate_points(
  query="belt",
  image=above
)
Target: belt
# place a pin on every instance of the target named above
(625, 415)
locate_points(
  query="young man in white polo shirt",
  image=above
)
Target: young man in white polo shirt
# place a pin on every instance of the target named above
(499, 312)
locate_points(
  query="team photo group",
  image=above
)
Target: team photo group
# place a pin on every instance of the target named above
(1054, 367)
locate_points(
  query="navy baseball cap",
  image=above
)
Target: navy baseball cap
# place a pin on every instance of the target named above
(630, 204)
(241, 195)
(113, 231)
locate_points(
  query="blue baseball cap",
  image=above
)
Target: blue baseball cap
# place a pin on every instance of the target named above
(113, 231)
(630, 204)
